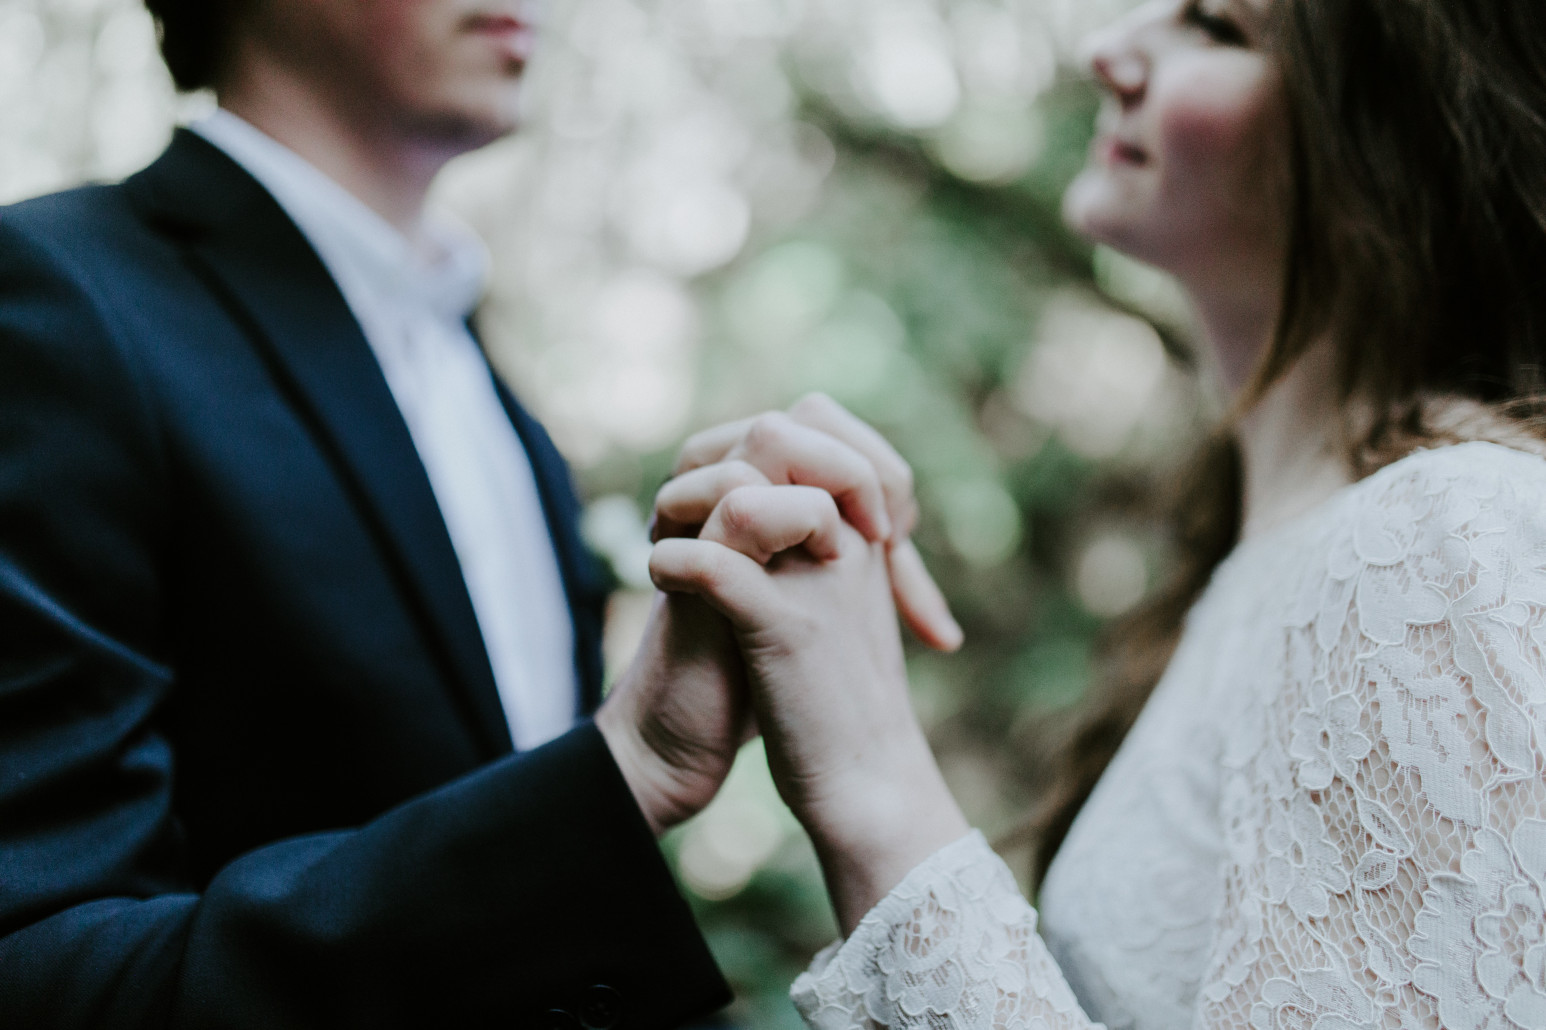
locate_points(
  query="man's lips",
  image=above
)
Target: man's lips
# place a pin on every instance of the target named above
(495, 24)
(514, 34)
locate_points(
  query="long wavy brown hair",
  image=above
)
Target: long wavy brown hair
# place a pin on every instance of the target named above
(1417, 251)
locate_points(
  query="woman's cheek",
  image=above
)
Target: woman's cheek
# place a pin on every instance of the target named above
(1216, 127)
(1210, 117)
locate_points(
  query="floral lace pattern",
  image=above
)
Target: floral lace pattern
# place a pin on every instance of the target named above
(919, 953)
(1330, 816)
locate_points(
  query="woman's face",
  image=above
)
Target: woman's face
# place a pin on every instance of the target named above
(1189, 166)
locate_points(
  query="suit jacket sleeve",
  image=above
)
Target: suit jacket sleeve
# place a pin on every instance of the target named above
(492, 900)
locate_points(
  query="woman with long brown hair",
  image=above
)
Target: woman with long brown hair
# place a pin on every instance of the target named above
(1328, 806)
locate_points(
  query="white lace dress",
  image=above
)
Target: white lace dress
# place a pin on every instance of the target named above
(1331, 814)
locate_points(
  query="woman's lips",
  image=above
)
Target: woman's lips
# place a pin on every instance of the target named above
(1115, 151)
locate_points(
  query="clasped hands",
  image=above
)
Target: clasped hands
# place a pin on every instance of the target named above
(784, 553)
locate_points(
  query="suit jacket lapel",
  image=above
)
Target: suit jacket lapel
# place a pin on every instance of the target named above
(269, 276)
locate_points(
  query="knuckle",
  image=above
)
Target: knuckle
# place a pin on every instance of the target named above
(687, 457)
(738, 511)
(820, 512)
(815, 403)
(833, 523)
(825, 504)
(693, 444)
(868, 477)
(767, 431)
(739, 473)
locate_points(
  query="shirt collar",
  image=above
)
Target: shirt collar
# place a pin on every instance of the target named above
(446, 273)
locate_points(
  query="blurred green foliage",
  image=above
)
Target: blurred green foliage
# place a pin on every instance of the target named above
(914, 296)
(722, 204)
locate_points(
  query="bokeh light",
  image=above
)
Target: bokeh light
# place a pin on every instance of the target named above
(716, 205)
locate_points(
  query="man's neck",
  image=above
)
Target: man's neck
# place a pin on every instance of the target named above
(388, 173)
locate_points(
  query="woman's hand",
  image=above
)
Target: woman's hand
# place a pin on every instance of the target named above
(809, 598)
(678, 714)
(816, 443)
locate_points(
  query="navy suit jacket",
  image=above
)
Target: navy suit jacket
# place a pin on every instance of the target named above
(254, 771)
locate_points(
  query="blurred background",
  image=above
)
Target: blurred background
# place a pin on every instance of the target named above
(718, 205)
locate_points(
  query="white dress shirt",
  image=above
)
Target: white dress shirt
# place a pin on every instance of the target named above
(413, 303)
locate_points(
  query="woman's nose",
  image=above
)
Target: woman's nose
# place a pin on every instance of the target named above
(1124, 75)
(1117, 58)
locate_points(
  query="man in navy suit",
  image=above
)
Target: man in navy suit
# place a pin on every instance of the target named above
(298, 640)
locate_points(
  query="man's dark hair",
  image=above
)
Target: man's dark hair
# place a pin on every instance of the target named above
(195, 38)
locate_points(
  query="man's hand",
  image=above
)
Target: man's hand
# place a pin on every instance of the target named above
(810, 601)
(679, 714)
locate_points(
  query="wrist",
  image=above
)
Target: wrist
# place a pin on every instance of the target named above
(878, 824)
(633, 761)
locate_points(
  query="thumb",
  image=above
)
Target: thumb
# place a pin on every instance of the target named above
(732, 583)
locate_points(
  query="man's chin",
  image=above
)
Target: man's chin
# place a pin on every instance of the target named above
(465, 129)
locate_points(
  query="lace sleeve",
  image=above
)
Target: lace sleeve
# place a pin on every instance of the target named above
(1382, 802)
(953, 945)
(1387, 853)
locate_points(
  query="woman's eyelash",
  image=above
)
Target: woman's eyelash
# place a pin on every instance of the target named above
(1221, 29)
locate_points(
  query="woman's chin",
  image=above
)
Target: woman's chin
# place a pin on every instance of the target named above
(1103, 213)
(1076, 203)
(1091, 209)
